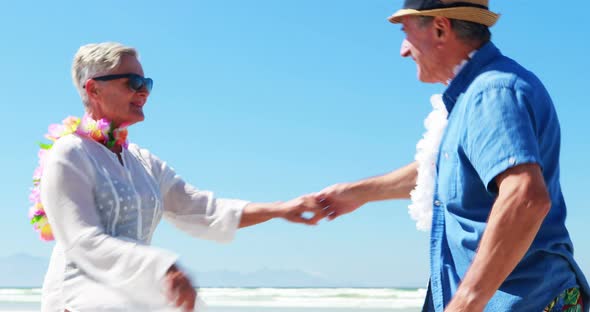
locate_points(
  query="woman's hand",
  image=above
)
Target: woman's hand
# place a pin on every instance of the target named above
(179, 289)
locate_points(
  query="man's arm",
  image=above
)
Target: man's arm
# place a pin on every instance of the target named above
(344, 198)
(521, 206)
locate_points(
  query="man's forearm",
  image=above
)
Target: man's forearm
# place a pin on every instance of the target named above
(394, 185)
(512, 226)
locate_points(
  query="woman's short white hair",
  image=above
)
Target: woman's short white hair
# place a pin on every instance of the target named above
(96, 59)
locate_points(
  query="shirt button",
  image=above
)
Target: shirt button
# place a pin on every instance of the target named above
(512, 161)
(437, 203)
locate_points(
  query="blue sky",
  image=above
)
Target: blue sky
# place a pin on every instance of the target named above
(266, 100)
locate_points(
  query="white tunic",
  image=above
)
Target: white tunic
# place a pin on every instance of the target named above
(103, 215)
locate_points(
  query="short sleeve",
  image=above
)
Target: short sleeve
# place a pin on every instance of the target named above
(501, 133)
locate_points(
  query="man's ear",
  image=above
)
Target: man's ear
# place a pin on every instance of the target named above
(442, 26)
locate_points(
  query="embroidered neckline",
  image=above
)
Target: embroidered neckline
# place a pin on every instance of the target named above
(102, 131)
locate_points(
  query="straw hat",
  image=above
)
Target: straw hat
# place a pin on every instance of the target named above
(467, 10)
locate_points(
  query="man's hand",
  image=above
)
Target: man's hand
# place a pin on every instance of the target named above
(340, 199)
(343, 198)
(467, 303)
(179, 289)
(295, 209)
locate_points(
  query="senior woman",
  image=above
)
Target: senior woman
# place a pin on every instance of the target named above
(103, 199)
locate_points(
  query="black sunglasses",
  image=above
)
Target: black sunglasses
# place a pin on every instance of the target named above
(135, 82)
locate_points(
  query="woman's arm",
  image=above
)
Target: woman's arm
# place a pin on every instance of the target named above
(293, 210)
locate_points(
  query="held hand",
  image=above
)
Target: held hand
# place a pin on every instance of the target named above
(294, 209)
(340, 199)
(179, 290)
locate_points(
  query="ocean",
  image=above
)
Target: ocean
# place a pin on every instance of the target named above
(267, 299)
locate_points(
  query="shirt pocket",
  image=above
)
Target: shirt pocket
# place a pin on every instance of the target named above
(447, 175)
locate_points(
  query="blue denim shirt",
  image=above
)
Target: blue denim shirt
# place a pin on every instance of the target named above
(500, 116)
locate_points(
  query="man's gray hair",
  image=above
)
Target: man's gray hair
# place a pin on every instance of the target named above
(96, 59)
(468, 32)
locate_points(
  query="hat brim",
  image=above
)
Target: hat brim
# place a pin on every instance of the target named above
(469, 14)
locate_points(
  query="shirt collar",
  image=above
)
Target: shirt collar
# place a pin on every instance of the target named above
(467, 74)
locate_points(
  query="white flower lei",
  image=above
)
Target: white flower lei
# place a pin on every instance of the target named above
(426, 154)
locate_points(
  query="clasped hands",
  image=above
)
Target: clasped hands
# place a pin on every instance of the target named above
(309, 209)
(330, 203)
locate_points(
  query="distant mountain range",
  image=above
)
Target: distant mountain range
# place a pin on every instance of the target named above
(262, 278)
(23, 270)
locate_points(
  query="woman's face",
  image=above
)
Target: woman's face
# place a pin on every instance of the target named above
(114, 99)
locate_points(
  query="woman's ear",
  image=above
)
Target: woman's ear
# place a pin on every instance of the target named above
(91, 88)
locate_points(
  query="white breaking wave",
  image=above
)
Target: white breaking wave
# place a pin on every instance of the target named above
(367, 298)
(20, 295)
(314, 297)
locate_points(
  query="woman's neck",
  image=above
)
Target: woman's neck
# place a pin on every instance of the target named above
(104, 131)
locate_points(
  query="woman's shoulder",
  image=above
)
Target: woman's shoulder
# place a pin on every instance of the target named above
(142, 153)
(69, 151)
(67, 145)
(151, 162)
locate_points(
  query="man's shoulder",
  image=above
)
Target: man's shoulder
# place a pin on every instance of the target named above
(505, 73)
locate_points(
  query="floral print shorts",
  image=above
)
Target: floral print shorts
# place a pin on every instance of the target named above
(570, 300)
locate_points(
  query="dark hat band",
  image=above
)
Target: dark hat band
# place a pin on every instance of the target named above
(422, 5)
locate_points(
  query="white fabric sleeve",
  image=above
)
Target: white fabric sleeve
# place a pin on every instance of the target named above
(196, 212)
(200, 214)
(67, 195)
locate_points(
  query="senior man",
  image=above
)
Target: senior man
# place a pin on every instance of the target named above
(486, 179)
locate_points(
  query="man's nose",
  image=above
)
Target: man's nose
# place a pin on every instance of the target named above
(405, 49)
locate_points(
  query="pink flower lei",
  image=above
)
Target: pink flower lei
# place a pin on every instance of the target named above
(101, 131)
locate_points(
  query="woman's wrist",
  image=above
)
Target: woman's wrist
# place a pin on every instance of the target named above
(255, 213)
(268, 210)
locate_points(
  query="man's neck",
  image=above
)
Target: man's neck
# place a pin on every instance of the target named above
(459, 58)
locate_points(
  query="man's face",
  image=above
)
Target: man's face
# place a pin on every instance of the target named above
(114, 99)
(421, 44)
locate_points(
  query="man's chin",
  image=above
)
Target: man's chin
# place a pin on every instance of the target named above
(421, 77)
(425, 79)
